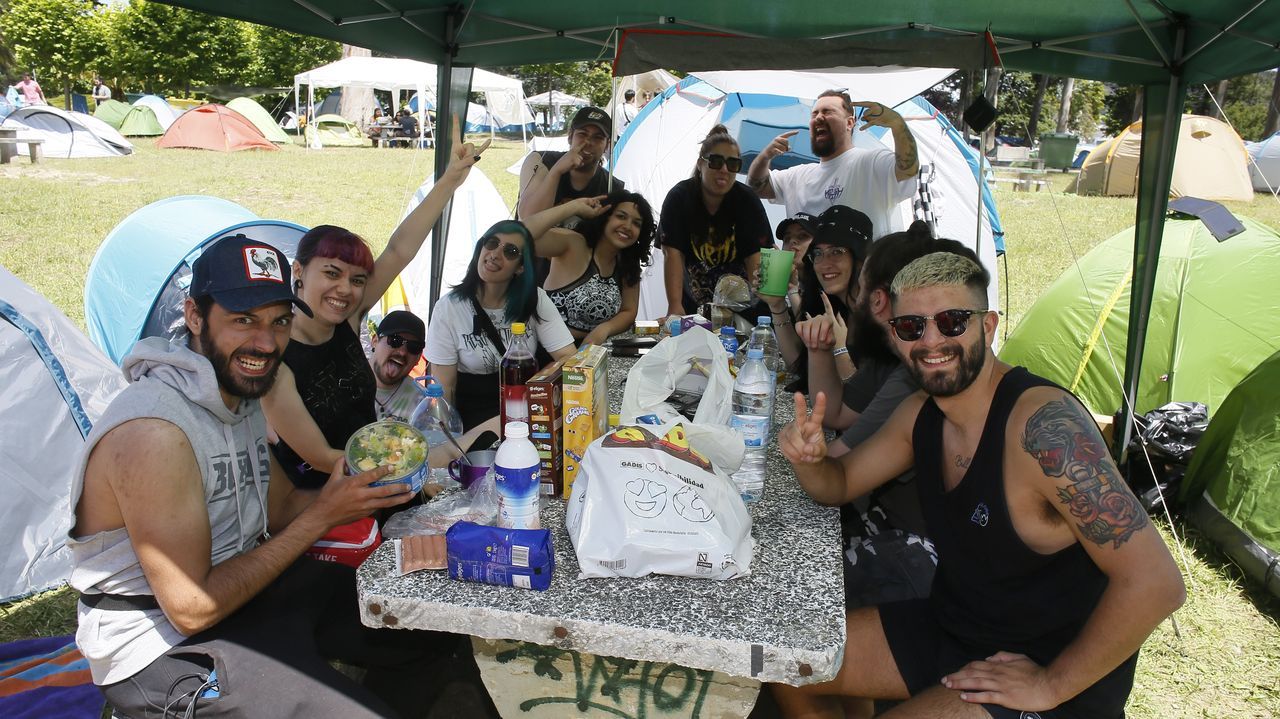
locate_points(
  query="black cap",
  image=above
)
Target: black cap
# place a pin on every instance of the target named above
(804, 219)
(241, 274)
(592, 116)
(845, 227)
(402, 321)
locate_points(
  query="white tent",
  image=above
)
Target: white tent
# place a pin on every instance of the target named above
(477, 205)
(1264, 164)
(645, 85)
(553, 103)
(165, 113)
(66, 134)
(660, 147)
(504, 96)
(57, 383)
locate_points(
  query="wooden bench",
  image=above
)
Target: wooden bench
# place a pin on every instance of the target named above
(8, 149)
(1023, 182)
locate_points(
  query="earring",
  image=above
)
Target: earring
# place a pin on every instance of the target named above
(297, 285)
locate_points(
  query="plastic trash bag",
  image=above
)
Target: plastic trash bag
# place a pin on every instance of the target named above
(649, 499)
(1170, 435)
(733, 292)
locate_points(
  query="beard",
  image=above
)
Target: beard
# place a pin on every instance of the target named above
(823, 147)
(242, 387)
(391, 374)
(967, 368)
(869, 339)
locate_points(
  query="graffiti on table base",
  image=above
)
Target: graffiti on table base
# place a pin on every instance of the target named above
(636, 690)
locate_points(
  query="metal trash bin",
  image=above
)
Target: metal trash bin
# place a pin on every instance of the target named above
(1058, 150)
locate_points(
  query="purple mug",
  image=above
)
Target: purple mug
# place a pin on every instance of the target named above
(478, 463)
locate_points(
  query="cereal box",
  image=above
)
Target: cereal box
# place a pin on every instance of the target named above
(586, 406)
(545, 425)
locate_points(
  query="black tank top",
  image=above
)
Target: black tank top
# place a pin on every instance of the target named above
(337, 386)
(991, 591)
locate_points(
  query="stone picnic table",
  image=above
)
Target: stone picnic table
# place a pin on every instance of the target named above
(655, 646)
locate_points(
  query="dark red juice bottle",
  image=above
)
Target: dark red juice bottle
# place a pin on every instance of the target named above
(518, 365)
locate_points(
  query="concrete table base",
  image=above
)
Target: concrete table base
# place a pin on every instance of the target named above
(534, 681)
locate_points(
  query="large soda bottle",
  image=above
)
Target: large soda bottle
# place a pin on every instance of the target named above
(517, 473)
(518, 365)
(432, 412)
(753, 416)
(763, 336)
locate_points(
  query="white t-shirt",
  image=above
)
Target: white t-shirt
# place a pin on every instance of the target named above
(398, 403)
(451, 337)
(865, 180)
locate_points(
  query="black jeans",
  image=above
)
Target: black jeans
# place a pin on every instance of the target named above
(272, 659)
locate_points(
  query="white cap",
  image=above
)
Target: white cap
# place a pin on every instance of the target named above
(516, 430)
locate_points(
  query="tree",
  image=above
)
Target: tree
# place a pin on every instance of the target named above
(278, 55)
(1064, 107)
(1271, 124)
(52, 39)
(169, 48)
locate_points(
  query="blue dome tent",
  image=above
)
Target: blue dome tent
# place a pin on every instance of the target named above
(140, 274)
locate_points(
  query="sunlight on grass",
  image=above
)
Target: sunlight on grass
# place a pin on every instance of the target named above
(1224, 660)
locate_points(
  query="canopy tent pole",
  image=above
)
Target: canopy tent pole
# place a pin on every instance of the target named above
(311, 104)
(1161, 118)
(453, 87)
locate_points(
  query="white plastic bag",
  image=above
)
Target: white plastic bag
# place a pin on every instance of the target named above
(647, 502)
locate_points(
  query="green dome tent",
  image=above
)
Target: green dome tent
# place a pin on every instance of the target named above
(261, 119)
(1233, 483)
(112, 112)
(1213, 318)
(141, 122)
(334, 131)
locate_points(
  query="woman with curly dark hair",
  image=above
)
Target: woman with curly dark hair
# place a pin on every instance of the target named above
(595, 271)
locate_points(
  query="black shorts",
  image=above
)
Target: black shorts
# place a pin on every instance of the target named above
(925, 652)
(891, 566)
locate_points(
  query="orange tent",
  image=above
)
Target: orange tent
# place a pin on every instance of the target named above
(214, 127)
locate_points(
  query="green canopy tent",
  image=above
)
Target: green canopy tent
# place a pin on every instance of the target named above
(1212, 318)
(1233, 484)
(112, 112)
(1163, 45)
(261, 119)
(141, 121)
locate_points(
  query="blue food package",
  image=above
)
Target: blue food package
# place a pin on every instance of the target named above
(493, 555)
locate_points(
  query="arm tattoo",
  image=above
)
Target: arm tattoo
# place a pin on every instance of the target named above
(760, 183)
(908, 161)
(1064, 440)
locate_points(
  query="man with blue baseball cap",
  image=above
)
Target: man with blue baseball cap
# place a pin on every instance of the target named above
(188, 538)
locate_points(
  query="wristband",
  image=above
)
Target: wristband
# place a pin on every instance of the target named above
(839, 351)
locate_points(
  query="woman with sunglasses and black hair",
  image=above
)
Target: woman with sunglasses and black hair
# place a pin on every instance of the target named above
(712, 226)
(470, 327)
(595, 269)
(325, 389)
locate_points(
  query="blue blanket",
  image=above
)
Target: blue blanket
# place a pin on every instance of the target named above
(47, 678)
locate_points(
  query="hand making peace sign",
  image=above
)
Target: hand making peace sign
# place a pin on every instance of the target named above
(803, 441)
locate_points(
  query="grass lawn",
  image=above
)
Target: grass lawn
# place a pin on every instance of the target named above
(1221, 658)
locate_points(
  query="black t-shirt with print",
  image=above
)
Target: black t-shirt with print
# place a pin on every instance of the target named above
(713, 245)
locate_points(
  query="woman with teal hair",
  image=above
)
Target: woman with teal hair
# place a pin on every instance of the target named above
(499, 289)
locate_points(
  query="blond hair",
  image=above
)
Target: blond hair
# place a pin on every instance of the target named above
(946, 269)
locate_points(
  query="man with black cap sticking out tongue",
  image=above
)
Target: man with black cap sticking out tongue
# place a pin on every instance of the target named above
(188, 538)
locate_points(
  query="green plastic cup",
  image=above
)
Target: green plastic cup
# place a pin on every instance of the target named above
(775, 271)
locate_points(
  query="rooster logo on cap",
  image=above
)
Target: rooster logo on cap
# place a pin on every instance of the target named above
(268, 267)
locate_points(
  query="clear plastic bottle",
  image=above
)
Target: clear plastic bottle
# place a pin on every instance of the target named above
(430, 413)
(763, 336)
(753, 416)
(517, 473)
(518, 365)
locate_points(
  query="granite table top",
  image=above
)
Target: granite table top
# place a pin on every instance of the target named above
(782, 623)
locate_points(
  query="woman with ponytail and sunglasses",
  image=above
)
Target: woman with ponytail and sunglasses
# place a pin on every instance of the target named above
(499, 289)
(712, 226)
(325, 389)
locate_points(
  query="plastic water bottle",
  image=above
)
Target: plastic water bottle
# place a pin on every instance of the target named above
(729, 338)
(432, 412)
(762, 336)
(517, 469)
(753, 416)
(518, 365)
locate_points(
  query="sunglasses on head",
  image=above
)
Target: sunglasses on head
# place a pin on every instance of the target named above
(395, 342)
(509, 251)
(951, 323)
(715, 162)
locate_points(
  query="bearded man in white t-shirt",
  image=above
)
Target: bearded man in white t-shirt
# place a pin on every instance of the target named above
(873, 182)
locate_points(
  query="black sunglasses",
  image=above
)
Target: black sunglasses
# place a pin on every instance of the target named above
(509, 251)
(715, 162)
(396, 342)
(951, 323)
